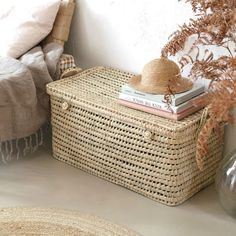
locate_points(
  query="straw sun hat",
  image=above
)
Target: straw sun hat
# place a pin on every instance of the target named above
(158, 76)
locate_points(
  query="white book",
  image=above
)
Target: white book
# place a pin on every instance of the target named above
(177, 99)
(157, 105)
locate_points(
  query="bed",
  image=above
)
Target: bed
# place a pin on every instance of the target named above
(24, 104)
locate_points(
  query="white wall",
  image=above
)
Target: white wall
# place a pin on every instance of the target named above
(123, 33)
(126, 34)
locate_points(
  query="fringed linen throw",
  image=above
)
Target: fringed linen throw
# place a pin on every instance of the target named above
(24, 104)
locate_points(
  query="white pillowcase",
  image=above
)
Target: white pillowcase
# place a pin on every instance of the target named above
(24, 24)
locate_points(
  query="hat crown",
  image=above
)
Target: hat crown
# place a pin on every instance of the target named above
(160, 76)
(159, 72)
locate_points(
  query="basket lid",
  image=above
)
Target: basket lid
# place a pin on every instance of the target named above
(98, 88)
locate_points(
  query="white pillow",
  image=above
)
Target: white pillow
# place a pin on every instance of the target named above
(24, 24)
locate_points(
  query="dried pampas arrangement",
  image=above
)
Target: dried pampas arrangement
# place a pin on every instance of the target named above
(212, 28)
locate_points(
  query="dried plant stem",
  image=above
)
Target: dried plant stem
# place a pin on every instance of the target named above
(214, 25)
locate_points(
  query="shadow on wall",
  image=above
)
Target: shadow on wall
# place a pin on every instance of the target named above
(92, 40)
(123, 34)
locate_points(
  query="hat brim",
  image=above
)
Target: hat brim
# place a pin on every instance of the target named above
(181, 85)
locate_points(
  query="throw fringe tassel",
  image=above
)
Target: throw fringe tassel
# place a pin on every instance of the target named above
(17, 148)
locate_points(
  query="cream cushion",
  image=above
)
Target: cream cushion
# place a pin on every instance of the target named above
(24, 24)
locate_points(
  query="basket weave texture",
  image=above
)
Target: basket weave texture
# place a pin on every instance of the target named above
(148, 154)
(61, 27)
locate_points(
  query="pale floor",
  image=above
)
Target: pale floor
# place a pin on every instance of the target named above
(43, 181)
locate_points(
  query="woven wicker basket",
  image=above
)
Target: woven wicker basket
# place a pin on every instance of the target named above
(61, 27)
(143, 152)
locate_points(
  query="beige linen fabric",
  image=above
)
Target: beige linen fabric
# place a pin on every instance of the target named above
(24, 105)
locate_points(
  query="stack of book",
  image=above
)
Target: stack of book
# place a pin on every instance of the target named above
(182, 104)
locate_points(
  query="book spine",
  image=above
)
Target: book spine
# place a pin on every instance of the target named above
(160, 98)
(149, 110)
(130, 91)
(143, 101)
(161, 113)
(153, 104)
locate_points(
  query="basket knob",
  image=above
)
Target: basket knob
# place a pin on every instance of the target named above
(65, 106)
(148, 135)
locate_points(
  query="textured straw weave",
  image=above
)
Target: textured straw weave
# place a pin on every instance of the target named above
(143, 152)
(159, 76)
(61, 27)
(40, 221)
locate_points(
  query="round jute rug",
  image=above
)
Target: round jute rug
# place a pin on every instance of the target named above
(40, 221)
